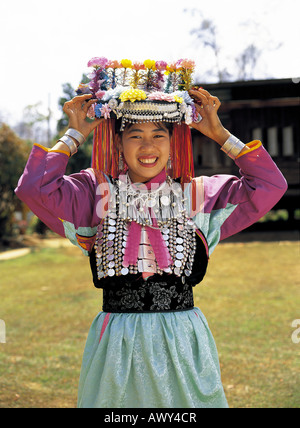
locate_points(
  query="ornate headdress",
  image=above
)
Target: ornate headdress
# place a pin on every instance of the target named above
(134, 92)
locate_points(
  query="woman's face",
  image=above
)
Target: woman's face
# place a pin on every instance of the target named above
(146, 148)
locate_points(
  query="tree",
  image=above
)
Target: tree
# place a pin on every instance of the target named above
(207, 34)
(225, 66)
(68, 94)
(82, 159)
(32, 127)
(13, 156)
(247, 61)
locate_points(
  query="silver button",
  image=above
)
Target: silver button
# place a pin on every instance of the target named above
(151, 202)
(177, 271)
(179, 256)
(165, 200)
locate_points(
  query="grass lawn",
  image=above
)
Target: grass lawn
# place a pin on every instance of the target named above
(250, 297)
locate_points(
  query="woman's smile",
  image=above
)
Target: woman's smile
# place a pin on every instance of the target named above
(146, 149)
(148, 161)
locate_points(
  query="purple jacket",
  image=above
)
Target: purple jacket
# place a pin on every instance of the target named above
(221, 205)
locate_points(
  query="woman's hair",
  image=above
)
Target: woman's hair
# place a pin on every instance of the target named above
(118, 122)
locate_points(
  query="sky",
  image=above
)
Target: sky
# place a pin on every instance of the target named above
(47, 43)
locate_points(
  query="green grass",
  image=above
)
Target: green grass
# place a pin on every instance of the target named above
(250, 297)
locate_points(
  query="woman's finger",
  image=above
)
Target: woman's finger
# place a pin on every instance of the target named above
(205, 92)
(67, 107)
(203, 99)
(211, 100)
(81, 98)
(215, 102)
(87, 104)
(198, 97)
(76, 102)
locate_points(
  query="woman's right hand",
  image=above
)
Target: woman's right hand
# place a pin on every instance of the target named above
(76, 110)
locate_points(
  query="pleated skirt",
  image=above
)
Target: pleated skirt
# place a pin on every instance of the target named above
(150, 360)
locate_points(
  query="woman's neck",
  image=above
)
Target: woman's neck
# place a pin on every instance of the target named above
(159, 178)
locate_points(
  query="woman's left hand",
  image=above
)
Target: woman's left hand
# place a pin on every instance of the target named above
(210, 125)
(77, 109)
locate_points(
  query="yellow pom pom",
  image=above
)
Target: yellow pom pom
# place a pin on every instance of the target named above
(133, 95)
(178, 99)
(127, 63)
(150, 64)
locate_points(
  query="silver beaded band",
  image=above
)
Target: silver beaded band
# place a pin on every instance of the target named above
(232, 147)
(76, 135)
(70, 143)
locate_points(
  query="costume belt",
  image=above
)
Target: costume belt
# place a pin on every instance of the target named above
(152, 295)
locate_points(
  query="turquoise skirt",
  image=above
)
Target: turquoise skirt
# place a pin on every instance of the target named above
(150, 360)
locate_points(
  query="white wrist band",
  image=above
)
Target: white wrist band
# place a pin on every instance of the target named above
(71, 132)
(232, 147)
(70, 143)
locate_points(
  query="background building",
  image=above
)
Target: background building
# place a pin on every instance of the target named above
(267, 110)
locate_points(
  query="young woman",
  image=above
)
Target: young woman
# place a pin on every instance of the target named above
(149, 228)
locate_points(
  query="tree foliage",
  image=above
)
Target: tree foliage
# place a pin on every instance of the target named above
(35, 125)
(68, 94)
(82, 159)
(225, 66)
(13, 156)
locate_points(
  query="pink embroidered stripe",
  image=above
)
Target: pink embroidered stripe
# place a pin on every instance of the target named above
(104, 325)
(159, 246)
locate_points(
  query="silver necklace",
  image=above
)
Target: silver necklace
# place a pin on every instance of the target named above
(136, 203)
(133, 204)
